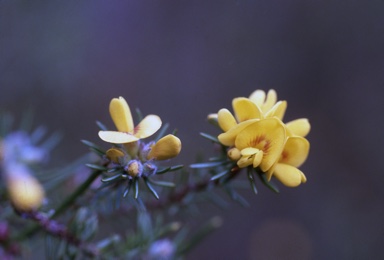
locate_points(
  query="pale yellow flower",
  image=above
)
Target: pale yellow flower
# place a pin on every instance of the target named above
(126, 131)
(294, 154)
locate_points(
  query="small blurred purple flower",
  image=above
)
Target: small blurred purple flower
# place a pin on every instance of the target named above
(162, 249)
(17, 147)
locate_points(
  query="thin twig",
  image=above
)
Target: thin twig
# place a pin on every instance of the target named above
(181, 193)
(56, 229)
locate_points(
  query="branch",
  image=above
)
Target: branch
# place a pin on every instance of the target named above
(200, 186)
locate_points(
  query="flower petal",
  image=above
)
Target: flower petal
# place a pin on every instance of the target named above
(300, 127)
(278, 110)
(249, 151)
(267, 135)
(132, 148)
(258, 159)
(303, 178)
(166, 148)
(226, 119)
(234, 154)
(228, 138)
(295, 151)
(245, 109)
(289, 175)
(115, 155)
(258, 97)
(270, 101)
(245, 161)
(121, 115)
(147, 127)
(117, 137)
(269, 173)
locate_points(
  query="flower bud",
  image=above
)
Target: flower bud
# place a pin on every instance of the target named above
(25, 192)
(212, 118)
(166, 148)
(115, 155)
(234, 154)
(134, 168)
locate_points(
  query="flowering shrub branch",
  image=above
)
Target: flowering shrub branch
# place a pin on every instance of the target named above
(130, 176)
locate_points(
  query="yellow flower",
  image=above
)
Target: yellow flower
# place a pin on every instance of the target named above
(126, 131)
(257, 137)
(294, 154)
(166, 148)
(260, 144)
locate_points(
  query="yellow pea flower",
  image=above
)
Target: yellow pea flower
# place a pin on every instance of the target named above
(257, 137)
(294, 154)
(126, 131)
(166, 148)
(260, 143)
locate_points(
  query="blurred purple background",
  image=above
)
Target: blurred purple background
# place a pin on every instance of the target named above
(185, 59)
